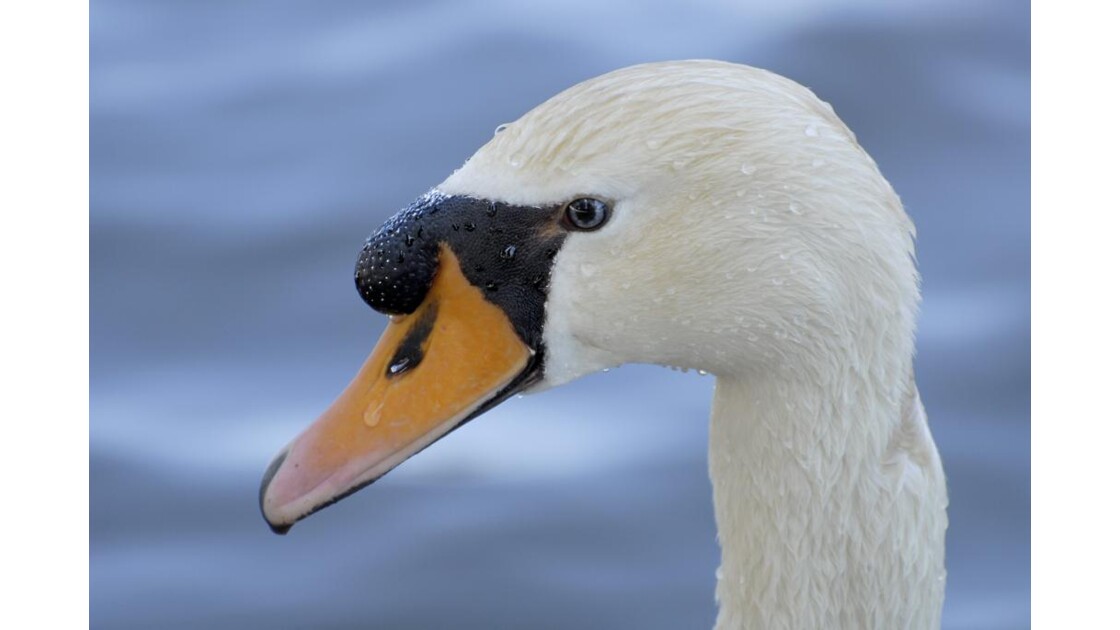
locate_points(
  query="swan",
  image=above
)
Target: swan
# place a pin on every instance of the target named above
(695, 214)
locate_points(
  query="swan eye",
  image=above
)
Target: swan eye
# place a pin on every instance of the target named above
(586, 214)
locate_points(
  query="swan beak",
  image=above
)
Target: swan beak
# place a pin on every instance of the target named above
(454, 357)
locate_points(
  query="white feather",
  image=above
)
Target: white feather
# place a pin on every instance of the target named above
(752, 238)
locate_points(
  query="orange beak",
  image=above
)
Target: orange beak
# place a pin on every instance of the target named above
(432, 370)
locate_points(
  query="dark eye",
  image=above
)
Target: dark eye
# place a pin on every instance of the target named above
(586, 214)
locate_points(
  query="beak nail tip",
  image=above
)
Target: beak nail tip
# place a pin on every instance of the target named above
(269, 473)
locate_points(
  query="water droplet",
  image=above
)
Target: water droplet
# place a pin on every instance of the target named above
(509, 252)
(653, 144)
(747, 169)
(500, 128)
(372, 415)
(794, 208)
(777, 282)
(812, 130)
(515, 160)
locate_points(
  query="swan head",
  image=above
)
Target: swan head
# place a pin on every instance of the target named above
(692, 214)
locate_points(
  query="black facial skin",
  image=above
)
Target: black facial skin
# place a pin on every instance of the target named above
(506, 251)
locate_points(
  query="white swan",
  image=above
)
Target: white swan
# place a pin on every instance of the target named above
(694, 214)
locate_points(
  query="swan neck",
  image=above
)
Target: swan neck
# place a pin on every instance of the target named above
(830, 503)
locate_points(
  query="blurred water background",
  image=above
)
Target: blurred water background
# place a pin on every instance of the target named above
(241, 152)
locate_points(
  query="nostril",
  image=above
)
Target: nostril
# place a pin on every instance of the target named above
(411, 350)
